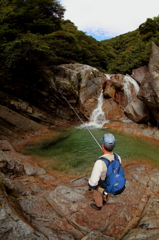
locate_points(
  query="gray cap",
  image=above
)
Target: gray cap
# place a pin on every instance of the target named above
(108, 139)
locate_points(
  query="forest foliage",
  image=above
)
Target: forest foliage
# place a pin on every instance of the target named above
(34, 36)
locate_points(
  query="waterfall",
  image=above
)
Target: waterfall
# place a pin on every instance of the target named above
(127, 89)
(97, 118)
(98, 114)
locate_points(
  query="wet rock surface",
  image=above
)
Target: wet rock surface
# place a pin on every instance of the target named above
(36, 204)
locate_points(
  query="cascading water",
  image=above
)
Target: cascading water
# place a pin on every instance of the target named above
(107, 76)
(97, 118)
(127, 91)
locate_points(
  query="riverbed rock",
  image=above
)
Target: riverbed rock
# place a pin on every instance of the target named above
(13, 225)
(17, 163)
(31, 170)
(140, 130)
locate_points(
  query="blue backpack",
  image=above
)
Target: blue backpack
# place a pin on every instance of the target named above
(115, 180)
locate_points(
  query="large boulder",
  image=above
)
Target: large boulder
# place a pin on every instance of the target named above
(149, 90)
(113, 89)
(139, 73)
(137, 111)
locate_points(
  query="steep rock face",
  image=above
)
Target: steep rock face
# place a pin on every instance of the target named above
(16, 127)
(87, 82)
(149, 90)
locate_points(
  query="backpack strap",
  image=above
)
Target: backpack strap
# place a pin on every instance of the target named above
(104, 159)
(116, 158)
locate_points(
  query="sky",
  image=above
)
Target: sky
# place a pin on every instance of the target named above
(103, 19)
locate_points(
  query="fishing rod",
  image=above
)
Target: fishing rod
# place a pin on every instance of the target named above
(81, 121)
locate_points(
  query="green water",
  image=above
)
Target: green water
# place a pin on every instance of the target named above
(74, 150)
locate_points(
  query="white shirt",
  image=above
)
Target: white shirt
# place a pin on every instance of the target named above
(100, 169)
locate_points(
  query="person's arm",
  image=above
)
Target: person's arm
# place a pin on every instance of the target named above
(96, 174)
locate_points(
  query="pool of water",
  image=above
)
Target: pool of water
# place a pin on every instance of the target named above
(73, 150)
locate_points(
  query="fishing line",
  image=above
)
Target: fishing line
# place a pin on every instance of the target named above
(82, 121)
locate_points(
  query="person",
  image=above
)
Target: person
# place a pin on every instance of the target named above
(98, 175)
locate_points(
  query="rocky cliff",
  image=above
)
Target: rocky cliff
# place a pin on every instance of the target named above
(41, 104)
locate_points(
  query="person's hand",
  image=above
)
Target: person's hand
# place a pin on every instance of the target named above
(89, 188)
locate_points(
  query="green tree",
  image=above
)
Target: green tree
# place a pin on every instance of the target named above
(36, 16)
(64, 45)
(151, 25)
(22, 27)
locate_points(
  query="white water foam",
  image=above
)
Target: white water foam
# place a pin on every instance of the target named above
(107, 76)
